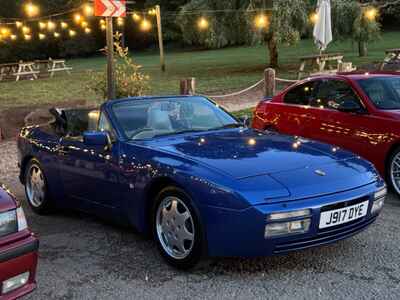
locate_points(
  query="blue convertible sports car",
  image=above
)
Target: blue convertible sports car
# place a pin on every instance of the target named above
(200, 181)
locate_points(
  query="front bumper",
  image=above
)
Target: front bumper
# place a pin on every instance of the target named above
(16, 258)
(241, 233)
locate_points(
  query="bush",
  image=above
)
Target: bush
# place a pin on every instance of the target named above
(129, 80)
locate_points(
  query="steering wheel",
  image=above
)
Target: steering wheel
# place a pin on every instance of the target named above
(140, 131)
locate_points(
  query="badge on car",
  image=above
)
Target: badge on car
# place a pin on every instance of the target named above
(343, 215)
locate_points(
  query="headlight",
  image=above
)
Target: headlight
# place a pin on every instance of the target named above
(8, 223)
(289, 215)
(284, 226)
(380, 194)
(22, 224)
(379, 198)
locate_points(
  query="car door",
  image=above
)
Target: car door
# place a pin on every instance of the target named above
(291, 115)
(90, 174)
(356, 131)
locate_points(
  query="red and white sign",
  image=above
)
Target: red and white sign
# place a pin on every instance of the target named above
(110, 8)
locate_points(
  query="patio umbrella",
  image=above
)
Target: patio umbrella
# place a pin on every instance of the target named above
(323, 26)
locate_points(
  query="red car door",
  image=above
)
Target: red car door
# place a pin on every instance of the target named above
(357, 131)
(290, 113)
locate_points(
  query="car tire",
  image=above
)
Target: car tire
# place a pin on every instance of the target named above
(36, 188)
(176, 229)
(392, 168)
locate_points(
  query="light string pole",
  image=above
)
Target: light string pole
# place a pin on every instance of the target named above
(110, 59)
(160, 38)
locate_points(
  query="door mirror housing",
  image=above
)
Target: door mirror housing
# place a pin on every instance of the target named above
(96, 138)
(245, 120)
(350, 106)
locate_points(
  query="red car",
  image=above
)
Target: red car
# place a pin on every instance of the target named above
(358, 112)
(18, 249)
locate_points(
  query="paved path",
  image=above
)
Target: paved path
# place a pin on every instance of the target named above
(82, 257)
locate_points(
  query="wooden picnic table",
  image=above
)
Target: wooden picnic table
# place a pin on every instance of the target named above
(6, 70)
(26, 69)
(331, 60)
(392, 56)
(58, 65)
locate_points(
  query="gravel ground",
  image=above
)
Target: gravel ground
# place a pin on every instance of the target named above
(82, 257)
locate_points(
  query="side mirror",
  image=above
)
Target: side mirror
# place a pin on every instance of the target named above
(350, 106)
(245, 120)
(96, 138)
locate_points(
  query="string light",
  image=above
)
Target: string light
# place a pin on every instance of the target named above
(102, 21)
(13, 37)
(203, 24)
(5, 32)
(77, 18)
(18, 24)
(136, 17)
(51, 25)
(88, 10)
(103, 27)
(31, 10)
(88, 30)
(371, 13)
(64, 25)
(42, 25)
(145, 25)
(314, 18)
(72, 33)
(261, 21)
(42, 36)
(26, 30)
(120, 21)
(152, 12)
(84, 24)
(27, 37)
(56, 35)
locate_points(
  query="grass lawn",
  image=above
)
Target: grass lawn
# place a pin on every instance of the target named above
(216, 71)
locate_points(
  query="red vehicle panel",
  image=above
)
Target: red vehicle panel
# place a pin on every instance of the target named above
(358, 112)
(18, 250)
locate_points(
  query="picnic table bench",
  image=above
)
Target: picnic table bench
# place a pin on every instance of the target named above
(392, 57)
(26, 69)
(6, 70)
(334, 62)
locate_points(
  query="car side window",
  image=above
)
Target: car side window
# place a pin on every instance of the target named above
(105, 125)
(300, 95)
(331, 93)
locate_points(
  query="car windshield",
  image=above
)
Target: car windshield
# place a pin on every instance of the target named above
(150, 118)
(384, 92)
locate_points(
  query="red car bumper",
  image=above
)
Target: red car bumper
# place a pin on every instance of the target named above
(18, 257)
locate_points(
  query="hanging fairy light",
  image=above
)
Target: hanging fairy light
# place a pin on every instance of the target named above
(13, 37)
(18, 24)
(261, 21)
(64, 25)
(103, 27)
(51, 25)
(78, 18)
(72, 33)
(152, 12)
(26, 30)
(88, 10)
(203, 23)
(42, 25)
(102, 22)
(136, 17)
(314, 18)
(84, 24)
(120, 21)
(31, 10)
(42, 36)
(56, 35)
(27, 37)
(145, 25)
(5, 32)
(88, 30)
(371, 13)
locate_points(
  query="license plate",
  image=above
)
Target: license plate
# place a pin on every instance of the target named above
(343, 215)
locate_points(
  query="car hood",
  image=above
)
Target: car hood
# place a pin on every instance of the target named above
(242, 153)
(6, 199)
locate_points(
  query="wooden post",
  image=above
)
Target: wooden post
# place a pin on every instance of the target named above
(160, 37)
(270, 83)
(188, 86)
(110, 60)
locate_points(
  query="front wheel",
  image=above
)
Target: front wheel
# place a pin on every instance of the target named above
(177, 230)
(36, 188)
(393, 171)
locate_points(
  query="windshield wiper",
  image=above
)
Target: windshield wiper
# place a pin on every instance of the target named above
(180, 132)
(226, 126)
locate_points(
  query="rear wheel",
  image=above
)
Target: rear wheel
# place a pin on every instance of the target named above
(176, 228)
(393, 171)
(36, 188)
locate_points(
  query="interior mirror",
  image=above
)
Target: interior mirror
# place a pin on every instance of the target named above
(96, 138)
(350, 106)
(245, 120)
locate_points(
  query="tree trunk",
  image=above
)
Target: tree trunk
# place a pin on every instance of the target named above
(273, 50)
(362, 49)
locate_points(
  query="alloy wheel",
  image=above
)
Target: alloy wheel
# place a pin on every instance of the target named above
(35, 186)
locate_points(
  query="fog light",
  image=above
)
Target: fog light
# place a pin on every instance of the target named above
(287, 228)
(14, 283)
(377, 206)
(289, 215)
